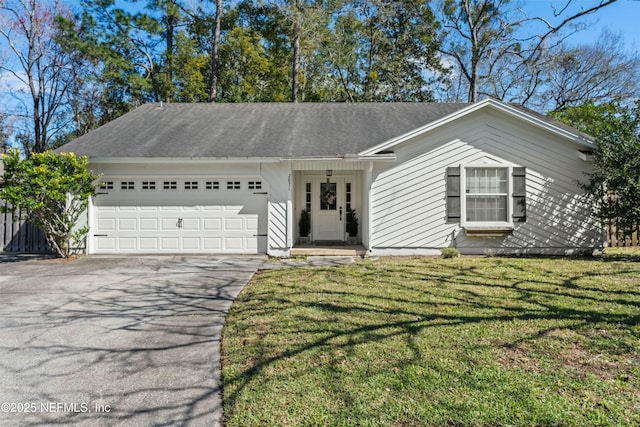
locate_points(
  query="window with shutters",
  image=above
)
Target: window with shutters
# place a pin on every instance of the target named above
(486, 196)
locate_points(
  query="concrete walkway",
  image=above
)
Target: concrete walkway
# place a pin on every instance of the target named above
(313, 261)
(104, 341)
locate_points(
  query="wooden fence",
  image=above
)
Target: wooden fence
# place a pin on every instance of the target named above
(615, 242)
(20, 236)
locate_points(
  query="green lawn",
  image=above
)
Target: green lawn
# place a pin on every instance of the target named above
(433, 342)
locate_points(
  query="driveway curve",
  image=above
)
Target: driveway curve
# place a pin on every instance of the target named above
(103, 340)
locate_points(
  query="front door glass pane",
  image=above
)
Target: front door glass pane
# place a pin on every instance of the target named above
(328, 196)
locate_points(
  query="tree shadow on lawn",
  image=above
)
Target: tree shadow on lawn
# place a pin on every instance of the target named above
(403, 302)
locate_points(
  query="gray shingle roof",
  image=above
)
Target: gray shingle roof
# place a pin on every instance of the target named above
(281, 130)
(256, 130)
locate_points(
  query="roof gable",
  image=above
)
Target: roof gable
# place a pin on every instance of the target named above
(513, 110)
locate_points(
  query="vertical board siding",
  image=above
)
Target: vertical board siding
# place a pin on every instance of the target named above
(408, 198)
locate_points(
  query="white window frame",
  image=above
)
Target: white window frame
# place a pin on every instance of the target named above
(486, 225)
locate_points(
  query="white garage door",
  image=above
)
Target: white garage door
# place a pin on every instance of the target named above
(180, 216)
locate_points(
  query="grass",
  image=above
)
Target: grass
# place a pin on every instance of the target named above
(437, 342)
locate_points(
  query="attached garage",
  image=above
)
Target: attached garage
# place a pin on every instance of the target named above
(180, 215)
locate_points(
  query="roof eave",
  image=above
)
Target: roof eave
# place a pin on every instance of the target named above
(346, 158)
(183, 159)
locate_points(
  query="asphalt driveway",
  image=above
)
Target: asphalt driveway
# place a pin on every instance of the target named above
(115, 340)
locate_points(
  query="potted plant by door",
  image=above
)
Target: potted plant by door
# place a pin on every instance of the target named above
(304, 225)
(352, 227)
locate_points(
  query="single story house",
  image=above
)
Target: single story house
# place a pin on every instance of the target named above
(235, 178)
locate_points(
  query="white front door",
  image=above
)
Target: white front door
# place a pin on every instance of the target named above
(328, 209)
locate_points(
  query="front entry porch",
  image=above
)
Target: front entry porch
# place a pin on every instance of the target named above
(328, 206)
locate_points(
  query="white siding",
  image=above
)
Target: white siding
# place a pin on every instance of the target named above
(278, 175)
(408, 198)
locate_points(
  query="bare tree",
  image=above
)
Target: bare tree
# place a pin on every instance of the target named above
(490, 47)
(29, 30)
(598, 73)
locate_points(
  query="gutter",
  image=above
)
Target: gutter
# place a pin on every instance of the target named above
(159, 160)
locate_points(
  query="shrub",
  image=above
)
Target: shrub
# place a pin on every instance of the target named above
(450, 253)
(52, 190)
(305, 223)
(352, 223)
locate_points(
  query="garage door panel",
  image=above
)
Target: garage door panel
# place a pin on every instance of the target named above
(104, 209)
(106, 243)
(252, 223)
(169, 224)
(106, 224)
(169, 243)
(233, 224)
(212, 224)
(128, 243)
(191, 243)
(212, 243)
(251, 243)
(179, 220)
(233, 243)
(127, 224)
(149, 243)
(149, 224)
(191, 224)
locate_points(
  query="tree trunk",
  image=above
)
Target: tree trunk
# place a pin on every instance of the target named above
(171, 22)
(215, 54)
(475, 53)
(296, 66)
(297, 10)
